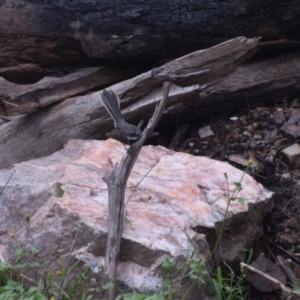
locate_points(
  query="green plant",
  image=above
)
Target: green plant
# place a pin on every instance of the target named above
(15, 291)
(285, 103)
(228, 288)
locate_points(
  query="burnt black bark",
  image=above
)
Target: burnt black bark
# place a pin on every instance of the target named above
(129, 32)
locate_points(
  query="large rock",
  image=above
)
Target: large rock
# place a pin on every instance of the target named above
(169, 197)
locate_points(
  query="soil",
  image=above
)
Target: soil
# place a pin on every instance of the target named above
(259, 134)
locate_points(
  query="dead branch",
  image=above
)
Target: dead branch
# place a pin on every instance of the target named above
(272, 279)
(116, 182)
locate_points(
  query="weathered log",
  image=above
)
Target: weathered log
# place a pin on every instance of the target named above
(259, 82)
(63, 33)
(20, 99)
(45, 131)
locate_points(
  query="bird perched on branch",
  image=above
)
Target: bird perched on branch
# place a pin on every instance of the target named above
(123, 132)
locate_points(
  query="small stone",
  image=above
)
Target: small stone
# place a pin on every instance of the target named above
(234, 118)
(269, 268)
(255, 114)
(253, 144)
(243, 119)
(278, 116)
(264, 108)
(264, 113)
(286, 176)
(247, 133)
(196, 151)
(257, 137)
(271, 134)
(250, 128)
(295, 103)
(293, 154)
(294, 115)
(234, 133)
(277, 143)
(292, 127)
(238, 159)
(205, 132)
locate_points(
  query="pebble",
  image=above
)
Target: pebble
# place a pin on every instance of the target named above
(205, 132)
(255, 114)
(235, 133)
(271, 134)
(295, 103)
(238, 159)
(278, 116)
(253, 144)
(247, 133)
(234, 118)
(250, 128)
(277, 143)
(292, 153)
(257, 136)
(286, 176)
(243, 119)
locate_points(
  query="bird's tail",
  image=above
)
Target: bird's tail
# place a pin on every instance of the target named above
(111, 102)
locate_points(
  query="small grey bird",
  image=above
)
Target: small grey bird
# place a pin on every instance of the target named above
(123, 132)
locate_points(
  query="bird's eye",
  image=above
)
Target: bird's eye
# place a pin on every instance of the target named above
(133, 133)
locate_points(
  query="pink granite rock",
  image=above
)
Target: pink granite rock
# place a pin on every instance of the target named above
(170, 198)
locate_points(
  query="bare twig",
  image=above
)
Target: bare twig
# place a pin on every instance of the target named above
(116, 182)
(272, 279)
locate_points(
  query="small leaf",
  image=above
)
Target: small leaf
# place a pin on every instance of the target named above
(127, 221)
(34, 264)
(166, 263)
(34, 250)
(241, 200)
(238, 185)
(58, 191)
(20, 252)
(166, 282)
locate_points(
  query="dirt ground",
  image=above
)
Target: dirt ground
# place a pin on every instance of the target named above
(263, 134)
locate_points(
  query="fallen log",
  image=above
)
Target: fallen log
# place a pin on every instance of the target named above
(46, 130)
(20, 99)
(67, 33)
(256, 82)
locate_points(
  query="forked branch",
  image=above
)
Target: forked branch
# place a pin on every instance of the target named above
(116, 182)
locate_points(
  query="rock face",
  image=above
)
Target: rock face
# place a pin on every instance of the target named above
(169, 196)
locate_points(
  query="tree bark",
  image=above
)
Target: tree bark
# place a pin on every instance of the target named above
(66, 33)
